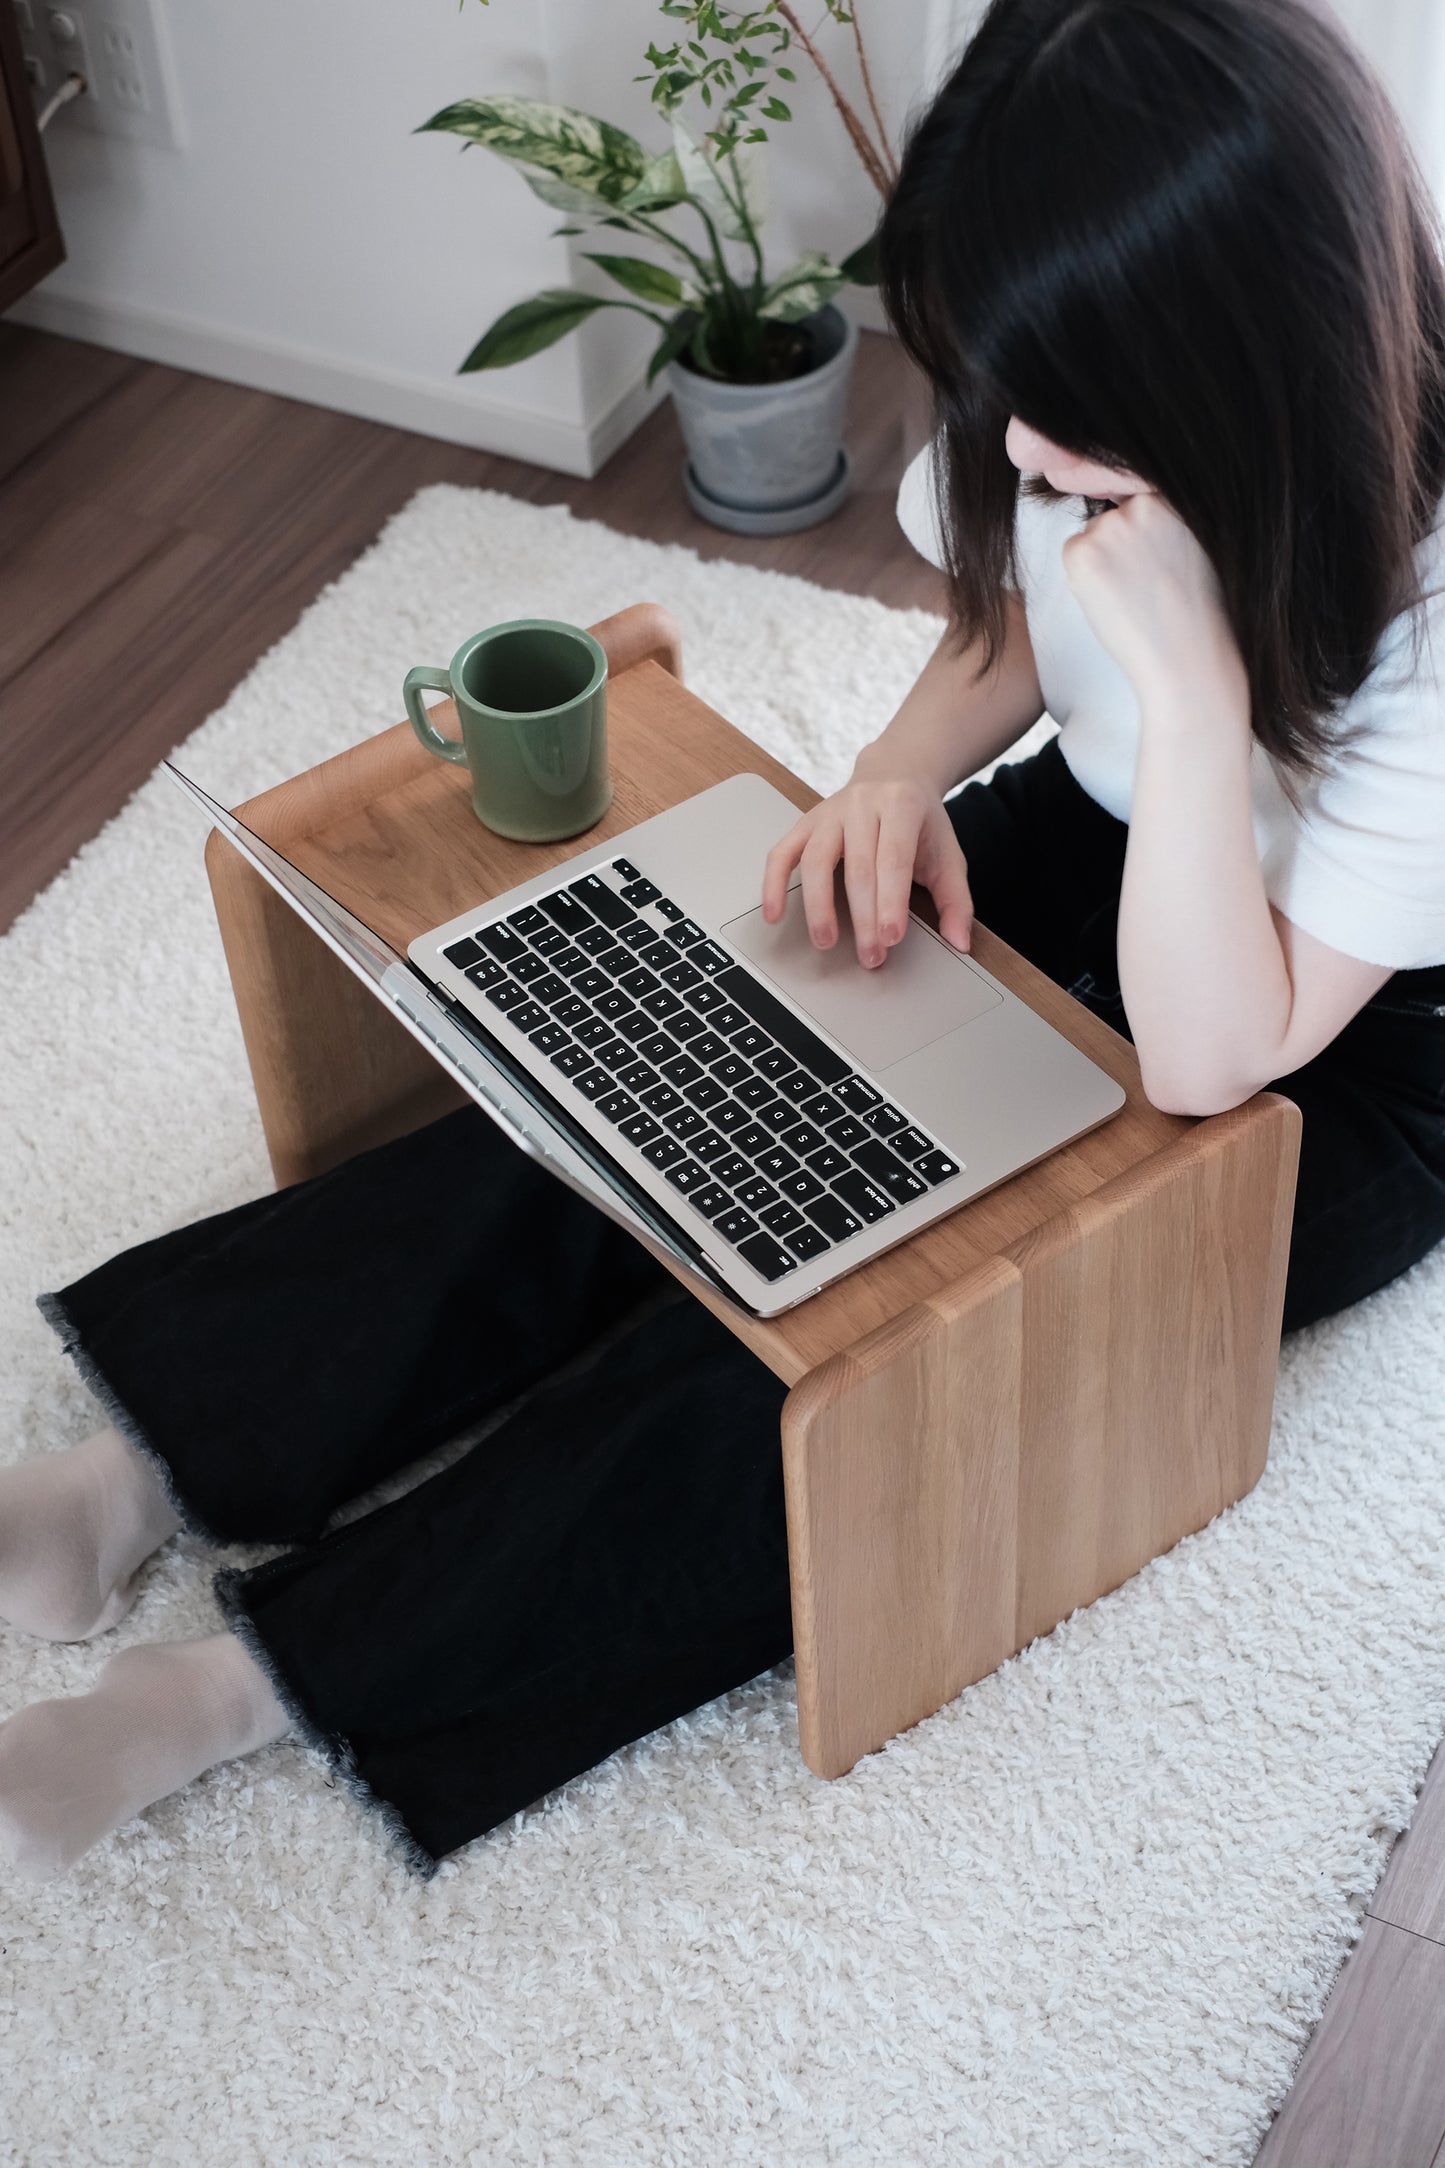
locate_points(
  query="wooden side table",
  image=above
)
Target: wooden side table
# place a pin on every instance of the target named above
(987, 1427)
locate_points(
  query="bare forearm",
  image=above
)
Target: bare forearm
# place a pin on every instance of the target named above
(1204, 980)
(953, 720)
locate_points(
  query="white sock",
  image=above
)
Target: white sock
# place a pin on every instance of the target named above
(72, 1771)
(74, 1530)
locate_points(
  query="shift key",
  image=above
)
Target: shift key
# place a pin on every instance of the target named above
(889, 1172)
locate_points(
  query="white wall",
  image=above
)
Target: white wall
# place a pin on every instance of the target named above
(306, 241)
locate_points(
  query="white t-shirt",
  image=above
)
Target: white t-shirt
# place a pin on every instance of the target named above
(1362, 865)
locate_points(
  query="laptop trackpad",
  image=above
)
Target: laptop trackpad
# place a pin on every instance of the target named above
(924, 990)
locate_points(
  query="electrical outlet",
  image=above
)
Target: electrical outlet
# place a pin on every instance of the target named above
(120, 47)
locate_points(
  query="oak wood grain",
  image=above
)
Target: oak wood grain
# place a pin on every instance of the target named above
(1411, 1892)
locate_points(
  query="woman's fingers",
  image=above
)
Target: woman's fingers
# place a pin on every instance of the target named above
(898, 841)
(860, 883)
(821, 853)
(778, 867)
(944, 872)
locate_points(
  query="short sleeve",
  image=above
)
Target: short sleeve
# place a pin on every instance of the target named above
(918, 514)
(1361, 865)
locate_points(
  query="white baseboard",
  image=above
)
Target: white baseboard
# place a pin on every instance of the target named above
(454, 412)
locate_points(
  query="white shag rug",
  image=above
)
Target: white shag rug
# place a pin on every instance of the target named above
(1087, 1914)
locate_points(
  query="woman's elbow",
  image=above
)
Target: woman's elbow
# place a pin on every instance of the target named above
(1195, 1097)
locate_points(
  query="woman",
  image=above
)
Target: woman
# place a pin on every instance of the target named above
(1168, 258)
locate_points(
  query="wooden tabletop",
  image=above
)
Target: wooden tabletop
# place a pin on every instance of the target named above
(389, 830)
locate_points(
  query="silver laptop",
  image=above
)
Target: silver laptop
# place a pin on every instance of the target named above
(767, 1114)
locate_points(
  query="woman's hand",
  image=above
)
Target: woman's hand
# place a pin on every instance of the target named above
(888, 833)
(1152, 597)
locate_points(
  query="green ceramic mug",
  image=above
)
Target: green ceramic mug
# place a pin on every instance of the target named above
(531, 697)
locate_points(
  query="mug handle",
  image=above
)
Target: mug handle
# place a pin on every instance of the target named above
(426, 677)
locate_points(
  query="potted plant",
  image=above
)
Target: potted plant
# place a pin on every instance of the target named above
(757, 361)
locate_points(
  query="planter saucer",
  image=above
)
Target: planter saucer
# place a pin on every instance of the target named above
(773, 518)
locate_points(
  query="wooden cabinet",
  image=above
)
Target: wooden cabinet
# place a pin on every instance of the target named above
(30, 243)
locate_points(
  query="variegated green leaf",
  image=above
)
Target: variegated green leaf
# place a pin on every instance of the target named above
(745, 174)
(811, 282)
(662, 184)
(531, 325)
(649, 281)
(584, 154)
(679, 331)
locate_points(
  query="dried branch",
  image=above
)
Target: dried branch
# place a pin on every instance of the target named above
(873, 164)
(889, 161)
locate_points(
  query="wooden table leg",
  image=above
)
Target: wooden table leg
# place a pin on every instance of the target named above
(995, 1457)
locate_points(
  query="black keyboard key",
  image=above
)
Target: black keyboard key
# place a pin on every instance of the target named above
(527, 969)
(665, 1153)
(752, 1042)
(550, 988)
(569, 1059)
(867, 1199)
(528, 920)
(802, 1139)
(687, 1176)
(592, 1083)
(822, 1110)
(755, 1193)
(682, 1070)
(731, 1071)
(729, 1019)
(797, 1087)
(709, 958)
(754, 1091)
(639, 981)
(530, 1016)
(614, 1054)
(593, 1030)
(682, 978)
(501, 942)
(856, 1096)
(638, 1076)
(775, 1063)
(935, 1167)
(507, 996)
(732, 1169)
(886, 1121)
(641, 1129)
(657, 1047)
(550, 1038)
(486, 973)
(663, 1005)
(849, 1133)
(730, 1116)
(617, 1105)
(705, 999)
(801, 1041)
(705, 1094)
(911, 1143)
(707, 1146)
(712, 1199)
(635, 1025)
(641, 891)
(570, 960)
(753, 1139)
(614, 959)
(684, 932)
(687, 1027)
(709, 1048)
(775, 1163)
(597, 940)
(463, 953)
(782, 1217)
(777, 1114)
(571, 1012)
(667, 909)
(661, 1099)
(614, 1004)
(829, 1163)
(549, 940)
(625, 867)
(638, 935)
(807, 1242)
(592, 983)
(657, 955)
(889, 1172)
(802, 1187)
(686, 1122)
(833, 1216)
(767, 1257)
(735, 1226)
(602, 901)
(565, 911)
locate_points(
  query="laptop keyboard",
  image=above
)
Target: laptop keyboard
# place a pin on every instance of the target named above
(763, 1129)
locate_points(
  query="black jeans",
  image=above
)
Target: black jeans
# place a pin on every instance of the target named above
(613, 1553)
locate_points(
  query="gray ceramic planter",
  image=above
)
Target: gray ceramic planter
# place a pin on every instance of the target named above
(769, 458)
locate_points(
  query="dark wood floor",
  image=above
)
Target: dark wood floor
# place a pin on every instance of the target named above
(158, 531)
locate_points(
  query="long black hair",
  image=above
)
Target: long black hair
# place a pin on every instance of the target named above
(1185, 238)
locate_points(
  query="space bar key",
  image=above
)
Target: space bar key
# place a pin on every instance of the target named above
(790, 1031)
